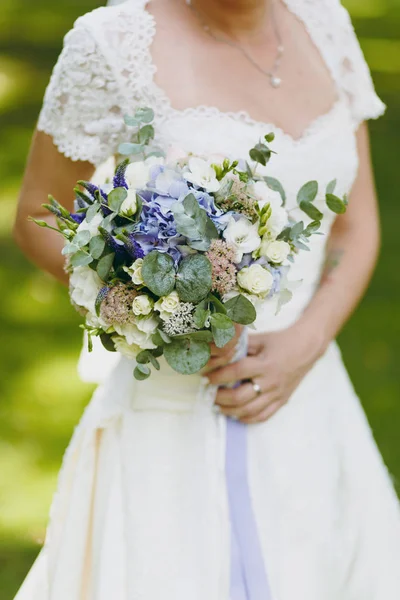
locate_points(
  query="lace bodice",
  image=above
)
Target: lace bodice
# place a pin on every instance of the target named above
(106, 69)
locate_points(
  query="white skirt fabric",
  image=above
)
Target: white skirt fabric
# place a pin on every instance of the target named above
(141, 512)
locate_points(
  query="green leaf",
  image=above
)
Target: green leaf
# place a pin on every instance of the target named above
(241, 310)
(308, 192)
(187, 355)
(335, 204)
(312, 228)
(269, 137)
(146, 134)
(154, 361)
(96, 246)
(193, 222)
(158, 351)
(69, 249)
(193, 280)
(81, 259)
(92, 211)
(330, 188)
(104, 266)
(311, 210)
(276, 186)
(107, 341)
(129, 148)
(141, 372)
(145, 115)
(258, 156)
(200, 316)
(143, 357)
(158, 272)
(116, 198)
(217, 304)
(222, 328)
(131, 121)
(297, 230)
(82, 238)
(201, 336)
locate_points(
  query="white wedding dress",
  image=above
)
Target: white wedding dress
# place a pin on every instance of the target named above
(141, 512)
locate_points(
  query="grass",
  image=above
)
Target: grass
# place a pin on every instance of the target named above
(41, 396)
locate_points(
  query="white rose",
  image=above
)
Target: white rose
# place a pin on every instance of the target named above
(167, 305)
(135, 271)
(92, 227)
(202, 174)
(243, 235)
(129, 205)
(135, 336)
(147, 325)
(256, 280)
(85, 286)
(142, 305)
(276, 223)
(128, 350)
(138, 173)
(276, 251)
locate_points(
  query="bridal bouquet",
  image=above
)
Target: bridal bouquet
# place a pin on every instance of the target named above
(174, 251)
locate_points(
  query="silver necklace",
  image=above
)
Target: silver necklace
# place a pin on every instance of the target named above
(271, 74)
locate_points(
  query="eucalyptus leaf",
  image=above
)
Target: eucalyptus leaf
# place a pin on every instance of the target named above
(143, 357)
(192, 221)
(92, 211)
(154, 362)
(69, 249)
(144, 115)
(187, 356)
(158, 272)
(217, 304)
(107, 341)
(311, 210)
(141, 372)
(146, 134)
(129, 148)
(222, 328)
(131, 121)
(312, 228)
(104, 266)
(241, 310)
(96, 246)
(82, 238)
(335, 204)
(276, 186)
(81, 259)
(308, 192)
(116, 198)
(200, 316)
(330, 188)
(193, 280)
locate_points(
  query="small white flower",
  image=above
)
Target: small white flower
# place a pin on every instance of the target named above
(142, 305)
(276, 223)
(129, 205)
(167, 305)
(202, 174)
(135, 271)
(129, 350)
(256, 280)
(85, 286)
(276, 251)
(92, 227)
(264, 195)
(243, 235)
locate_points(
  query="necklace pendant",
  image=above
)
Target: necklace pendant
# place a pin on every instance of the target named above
(275, 81)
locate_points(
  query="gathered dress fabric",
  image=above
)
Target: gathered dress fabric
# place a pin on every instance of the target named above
(142, 509)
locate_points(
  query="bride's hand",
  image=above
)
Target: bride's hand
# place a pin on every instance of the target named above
(276, 364)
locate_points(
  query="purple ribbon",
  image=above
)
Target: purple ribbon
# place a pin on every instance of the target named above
(248, 577)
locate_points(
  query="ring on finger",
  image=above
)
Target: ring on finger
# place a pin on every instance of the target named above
(257, 389)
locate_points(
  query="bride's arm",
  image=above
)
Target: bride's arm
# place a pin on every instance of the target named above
(279, 360)
(47, 172)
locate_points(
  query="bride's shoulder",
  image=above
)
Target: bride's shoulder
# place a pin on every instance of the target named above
(105, 21)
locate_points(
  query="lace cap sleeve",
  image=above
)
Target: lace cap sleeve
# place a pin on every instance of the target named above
(81, 109)
(354, 75)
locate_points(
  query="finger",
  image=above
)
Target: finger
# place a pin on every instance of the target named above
(232, 397)
(249, 411)
(246, 368)
(216, 363)
(264, 414)
(255, 344)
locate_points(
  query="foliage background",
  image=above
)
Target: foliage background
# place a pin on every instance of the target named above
(41, 397)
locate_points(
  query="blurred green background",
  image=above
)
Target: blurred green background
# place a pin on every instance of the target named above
(41, 397)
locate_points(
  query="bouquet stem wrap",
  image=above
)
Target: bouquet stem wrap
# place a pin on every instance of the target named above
(248, 579)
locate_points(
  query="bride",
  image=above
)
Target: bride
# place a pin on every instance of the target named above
(144, 509)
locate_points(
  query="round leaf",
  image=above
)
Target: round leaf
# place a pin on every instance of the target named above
(107, 341)
(193, 281)
(80, 259)
(241, 310)
(308, 192)
(158, 272)
(141, 372)
(187, 356)
(222, 329)
(96, 246)
(311, 210)
(116, 198)
(335, 204)
(127, 149)
(104, 266)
